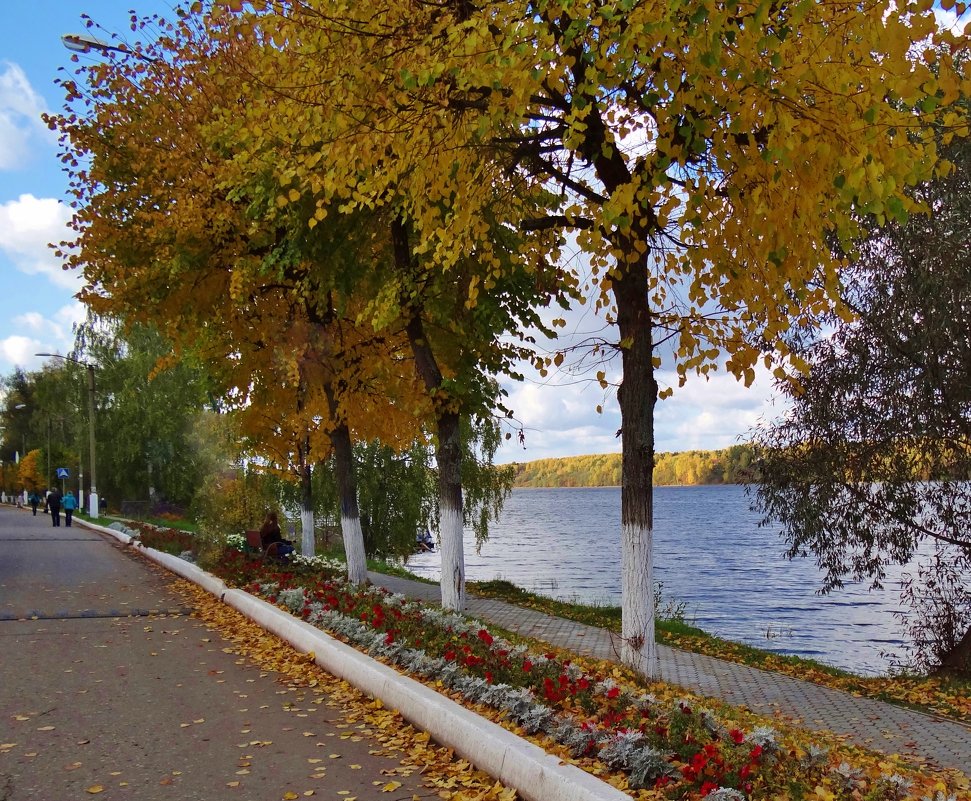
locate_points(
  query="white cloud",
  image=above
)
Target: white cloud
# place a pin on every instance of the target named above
(27, 226)
(703, 415)
(19, 350)
(59, 328)
(20, 122)
(40, 334)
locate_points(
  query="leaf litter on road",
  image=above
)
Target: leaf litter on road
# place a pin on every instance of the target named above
(416, 753)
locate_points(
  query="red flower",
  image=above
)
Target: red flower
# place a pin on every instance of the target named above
(389, 638)
(737, 736)
(613, 692)
(707, 787)
(755, 753)
(485, 636)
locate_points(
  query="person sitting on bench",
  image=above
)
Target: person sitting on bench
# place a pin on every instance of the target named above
(271, 538)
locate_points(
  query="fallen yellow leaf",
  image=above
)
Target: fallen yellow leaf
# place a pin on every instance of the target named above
(289, 795)
(94, 789)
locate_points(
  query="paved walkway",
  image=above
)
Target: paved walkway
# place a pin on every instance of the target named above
(111, 689)
(869, 723)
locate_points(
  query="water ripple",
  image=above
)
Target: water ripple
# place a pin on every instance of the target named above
(709, 553)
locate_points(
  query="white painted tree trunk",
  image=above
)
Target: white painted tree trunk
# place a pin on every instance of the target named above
(453, 559)
(308, 542)
(354, 549)
(639, 648)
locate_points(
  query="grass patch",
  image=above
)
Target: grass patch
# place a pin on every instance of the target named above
(180, 524)
(599, 615)
(377, 565)
(396, 569)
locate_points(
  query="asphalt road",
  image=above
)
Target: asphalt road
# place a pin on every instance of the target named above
(106, 681)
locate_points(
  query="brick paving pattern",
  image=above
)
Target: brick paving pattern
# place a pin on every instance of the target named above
(866, 722)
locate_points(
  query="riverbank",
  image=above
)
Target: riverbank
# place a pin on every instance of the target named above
(947, 697)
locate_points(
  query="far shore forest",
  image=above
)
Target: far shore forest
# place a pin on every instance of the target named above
(728, 466)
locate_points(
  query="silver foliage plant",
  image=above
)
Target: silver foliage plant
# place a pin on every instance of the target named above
(623, 751)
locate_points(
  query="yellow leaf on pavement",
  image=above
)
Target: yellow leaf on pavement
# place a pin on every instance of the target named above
(94, 789)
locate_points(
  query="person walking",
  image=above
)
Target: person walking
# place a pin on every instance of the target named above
(34, 500)
(54, 505)
(70, 504)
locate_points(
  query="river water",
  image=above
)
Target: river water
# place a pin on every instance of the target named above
(709, 553)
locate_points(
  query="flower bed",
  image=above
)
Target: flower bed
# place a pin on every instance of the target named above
(663, 743)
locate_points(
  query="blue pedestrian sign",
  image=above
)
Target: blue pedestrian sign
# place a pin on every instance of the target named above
(63, 472)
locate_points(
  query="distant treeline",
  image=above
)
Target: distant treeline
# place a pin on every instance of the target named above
(728, 466)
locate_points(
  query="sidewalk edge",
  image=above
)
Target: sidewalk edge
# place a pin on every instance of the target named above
(517, 763)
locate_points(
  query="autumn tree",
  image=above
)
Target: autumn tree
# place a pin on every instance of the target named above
(873, 459)
(455, 277)
(263, 299)
(30, 472)
(703, 154)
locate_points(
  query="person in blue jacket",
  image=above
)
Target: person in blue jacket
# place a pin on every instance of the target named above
(69, 503)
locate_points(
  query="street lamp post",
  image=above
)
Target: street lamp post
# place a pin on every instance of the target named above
(93, 497)
(85, 43)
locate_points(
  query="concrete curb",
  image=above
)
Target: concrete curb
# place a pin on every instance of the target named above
(122, 538)
(517, 763)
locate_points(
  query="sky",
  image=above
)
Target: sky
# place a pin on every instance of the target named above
(558, 413)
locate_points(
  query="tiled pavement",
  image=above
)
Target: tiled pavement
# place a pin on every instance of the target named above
(870, 723)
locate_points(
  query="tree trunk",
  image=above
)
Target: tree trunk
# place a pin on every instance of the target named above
(308, 543)
(351, 531)
(958, 661)
(449, 452)
(636, 397)
(451, 518)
